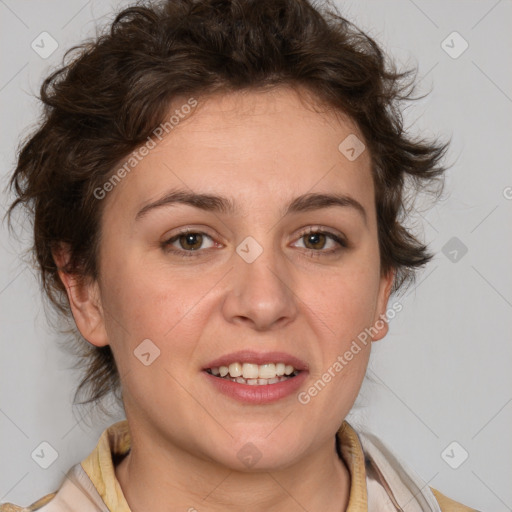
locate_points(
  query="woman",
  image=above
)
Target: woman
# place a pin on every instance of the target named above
(217, 191)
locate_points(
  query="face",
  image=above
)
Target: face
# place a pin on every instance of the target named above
(244, 236)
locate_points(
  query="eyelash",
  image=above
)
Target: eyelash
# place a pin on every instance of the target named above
(342, 243)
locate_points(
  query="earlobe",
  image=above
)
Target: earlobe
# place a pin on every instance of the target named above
(380, 323)
(84, 300)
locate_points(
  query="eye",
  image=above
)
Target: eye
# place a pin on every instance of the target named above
(314, 240)
(188, 241)
(321, 241)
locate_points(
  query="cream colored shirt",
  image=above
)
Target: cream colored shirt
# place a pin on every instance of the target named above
(115, 442)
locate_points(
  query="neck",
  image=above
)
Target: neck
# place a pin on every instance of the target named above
(152, 479)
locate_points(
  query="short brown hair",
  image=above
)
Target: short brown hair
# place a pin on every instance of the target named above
(111, 94)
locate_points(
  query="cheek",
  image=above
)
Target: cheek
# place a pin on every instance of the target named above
(345, 302)
(342, 310)
(150, 302)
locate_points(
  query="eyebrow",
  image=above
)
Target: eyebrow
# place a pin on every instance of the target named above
(220, 204)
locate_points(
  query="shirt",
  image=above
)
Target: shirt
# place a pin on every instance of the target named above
(115, 442)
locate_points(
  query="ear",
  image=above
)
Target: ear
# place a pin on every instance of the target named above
(380, 324)
(84, 299)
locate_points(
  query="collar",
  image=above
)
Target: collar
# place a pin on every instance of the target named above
(115, 442)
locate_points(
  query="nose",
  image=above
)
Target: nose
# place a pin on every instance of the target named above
(261, 293)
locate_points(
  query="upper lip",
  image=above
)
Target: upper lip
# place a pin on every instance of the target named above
(250, 356)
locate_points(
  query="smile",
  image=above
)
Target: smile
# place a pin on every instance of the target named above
(255, 374)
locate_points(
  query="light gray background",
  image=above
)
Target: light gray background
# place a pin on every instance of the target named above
(442, 374)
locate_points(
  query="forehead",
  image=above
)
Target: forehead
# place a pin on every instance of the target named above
(252, 145)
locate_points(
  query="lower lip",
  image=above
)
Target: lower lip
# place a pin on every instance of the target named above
(258, 394)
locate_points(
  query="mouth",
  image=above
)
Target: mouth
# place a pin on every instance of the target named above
(254, 374)
(256, 378)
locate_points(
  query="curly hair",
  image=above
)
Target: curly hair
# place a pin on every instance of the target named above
(112, 92)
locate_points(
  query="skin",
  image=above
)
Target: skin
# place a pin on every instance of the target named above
(261, 150)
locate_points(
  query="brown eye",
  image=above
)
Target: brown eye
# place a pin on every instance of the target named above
(319, 242)
(315, 240)
(191, 241)
(188, 242)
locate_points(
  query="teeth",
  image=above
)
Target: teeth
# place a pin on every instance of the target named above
(257, 382)
(250, 371)
(253, 374)
(235, 369)
(267, 371)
